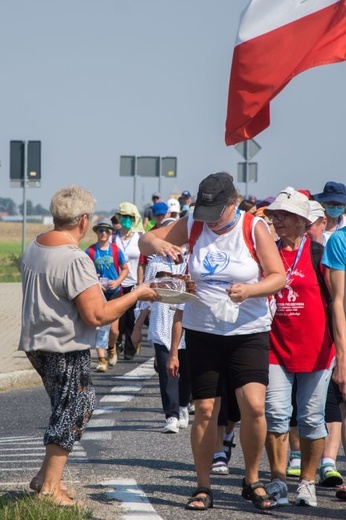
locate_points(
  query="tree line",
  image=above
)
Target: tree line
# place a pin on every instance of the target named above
(11, 208)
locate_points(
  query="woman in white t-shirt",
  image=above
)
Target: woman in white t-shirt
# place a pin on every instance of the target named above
(218, 341)
(127, 240)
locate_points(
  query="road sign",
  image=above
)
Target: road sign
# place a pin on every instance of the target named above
(22, 168)
(148, 166)
(252, 172)
(169, 166)
(248, 149)
(127, 165)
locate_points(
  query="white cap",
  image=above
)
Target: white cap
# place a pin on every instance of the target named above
(316, 211)
(173, 205)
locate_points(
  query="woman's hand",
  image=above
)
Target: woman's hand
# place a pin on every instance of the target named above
(166, 249)
(145, 293)
(238, 292)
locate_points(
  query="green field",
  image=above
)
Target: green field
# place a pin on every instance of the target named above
(11, 247)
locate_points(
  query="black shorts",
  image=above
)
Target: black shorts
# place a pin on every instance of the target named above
(239, 359)
(112, 296)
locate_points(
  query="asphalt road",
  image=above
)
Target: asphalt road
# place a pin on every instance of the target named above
(124, 450)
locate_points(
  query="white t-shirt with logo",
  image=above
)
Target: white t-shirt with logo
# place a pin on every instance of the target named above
(218, 261)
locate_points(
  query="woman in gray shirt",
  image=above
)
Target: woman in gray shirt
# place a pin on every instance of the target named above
(62, 306)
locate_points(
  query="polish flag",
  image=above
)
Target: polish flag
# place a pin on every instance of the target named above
(278, 39)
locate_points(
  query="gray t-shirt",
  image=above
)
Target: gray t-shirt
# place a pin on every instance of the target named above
(51, 278)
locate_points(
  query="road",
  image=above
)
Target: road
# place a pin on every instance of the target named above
(124, 458)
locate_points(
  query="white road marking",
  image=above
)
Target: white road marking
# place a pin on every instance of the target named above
(100, 423)
(133, 388)
(116, 398)
(134, 500)
(106, 409)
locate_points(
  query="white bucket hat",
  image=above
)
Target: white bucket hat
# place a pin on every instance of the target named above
(292, 201)
(316, 211)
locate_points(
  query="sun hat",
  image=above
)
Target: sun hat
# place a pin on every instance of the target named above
(126, 208)
(105, 223)
(316, 211)
(173, 205)
(159, 208)
(292, 201)
(332, 192)
(214, 193)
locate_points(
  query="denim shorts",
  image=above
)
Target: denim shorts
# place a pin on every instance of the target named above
(312, 390)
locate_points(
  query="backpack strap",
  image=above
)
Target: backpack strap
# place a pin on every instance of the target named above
(196, 230)
(316, 252)
(115, 253)
(247, 233)
(91, 252)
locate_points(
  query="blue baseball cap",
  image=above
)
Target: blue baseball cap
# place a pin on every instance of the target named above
(159, 208)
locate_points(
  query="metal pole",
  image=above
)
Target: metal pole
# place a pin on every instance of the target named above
(160, 168)
(25, 180)
(246, 167)
(135, 183)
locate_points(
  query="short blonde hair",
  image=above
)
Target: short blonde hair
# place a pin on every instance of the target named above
(70, 203)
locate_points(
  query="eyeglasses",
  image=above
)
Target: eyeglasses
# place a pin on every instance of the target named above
(101, 230)
(279, 216)
(334, 205)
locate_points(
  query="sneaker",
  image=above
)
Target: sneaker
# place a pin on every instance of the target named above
(112, 357)
(306, 494)
(277, 489)
(102, 366)
(329, 476)
(191, 408)
(171, 426)
(293, 466)
(183, 417)
(219, 466)
(228, 445)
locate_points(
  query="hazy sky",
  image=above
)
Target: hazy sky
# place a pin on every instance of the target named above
(94, 80)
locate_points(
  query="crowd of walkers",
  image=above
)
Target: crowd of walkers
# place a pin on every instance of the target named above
(261, 341)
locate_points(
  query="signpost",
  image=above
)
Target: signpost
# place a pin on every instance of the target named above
(147, 166)
(247, 171)
(25, 171)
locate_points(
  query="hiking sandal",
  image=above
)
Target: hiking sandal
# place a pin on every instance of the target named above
(206, 501)
(248, 492)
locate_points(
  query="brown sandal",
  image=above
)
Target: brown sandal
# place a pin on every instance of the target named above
(206, 502)
(248, 492)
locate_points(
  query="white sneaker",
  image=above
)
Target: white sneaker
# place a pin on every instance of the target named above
(183, 417)
(306, 493)
(171, 426)
(277, 489)
(191, 408)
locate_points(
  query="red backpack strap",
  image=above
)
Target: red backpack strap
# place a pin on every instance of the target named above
(91, 252)
(115, 253)
(247, 233)
(196, 230)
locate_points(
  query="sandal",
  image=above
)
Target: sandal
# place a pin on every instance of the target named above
(248, 492)
(206, 501)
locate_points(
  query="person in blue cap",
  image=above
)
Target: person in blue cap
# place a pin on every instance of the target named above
(333, 198)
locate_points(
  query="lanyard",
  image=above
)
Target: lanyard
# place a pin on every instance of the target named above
(296, 260)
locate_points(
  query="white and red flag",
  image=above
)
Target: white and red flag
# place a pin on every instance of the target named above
(278, 39)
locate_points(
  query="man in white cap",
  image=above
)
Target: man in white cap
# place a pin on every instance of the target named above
(174, 208)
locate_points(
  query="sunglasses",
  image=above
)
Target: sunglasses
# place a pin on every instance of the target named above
(280, 217)
(101, 230)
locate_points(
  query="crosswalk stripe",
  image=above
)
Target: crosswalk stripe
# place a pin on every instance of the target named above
(133, 500)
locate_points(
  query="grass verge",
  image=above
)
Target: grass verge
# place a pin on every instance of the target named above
(23, 506)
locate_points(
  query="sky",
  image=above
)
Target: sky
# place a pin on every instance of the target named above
(95, 80)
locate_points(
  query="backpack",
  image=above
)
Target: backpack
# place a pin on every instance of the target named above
(197, 227)
(316, 252)
(115, 253)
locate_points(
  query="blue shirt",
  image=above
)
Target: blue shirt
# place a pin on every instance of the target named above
(104, 264)
(334, 255)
